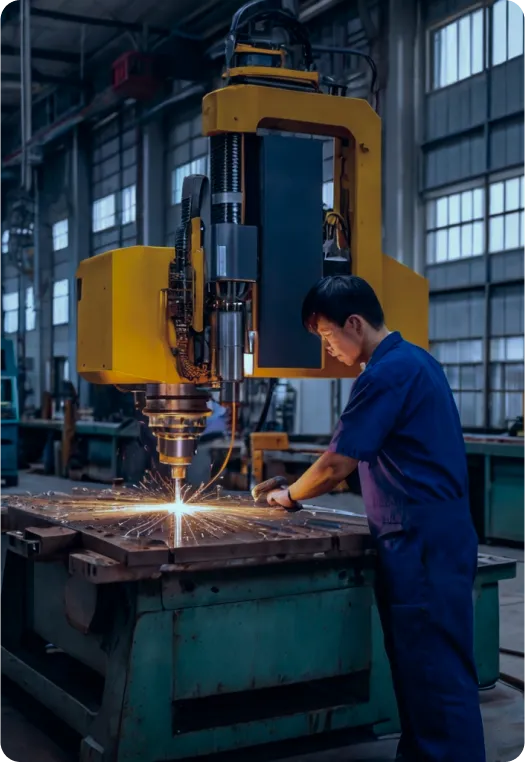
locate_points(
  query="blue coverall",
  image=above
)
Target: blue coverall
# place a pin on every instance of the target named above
(402, 425)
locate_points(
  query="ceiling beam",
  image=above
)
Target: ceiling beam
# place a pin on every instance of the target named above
(125, 26)
(40, 78)
(43, 53)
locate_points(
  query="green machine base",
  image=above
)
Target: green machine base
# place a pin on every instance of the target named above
(496, 486)
(180, 660)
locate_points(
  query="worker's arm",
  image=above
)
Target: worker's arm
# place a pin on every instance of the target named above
(323, 476)
(366, 422)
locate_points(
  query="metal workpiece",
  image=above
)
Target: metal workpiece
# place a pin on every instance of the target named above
(138, 527)
(177, 416)
(231, 345)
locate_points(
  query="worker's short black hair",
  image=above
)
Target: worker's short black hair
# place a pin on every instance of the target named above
(339, 296)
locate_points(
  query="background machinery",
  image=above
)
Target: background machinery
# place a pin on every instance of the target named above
(10, 415)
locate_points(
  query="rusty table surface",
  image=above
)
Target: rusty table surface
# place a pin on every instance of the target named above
(138, 529)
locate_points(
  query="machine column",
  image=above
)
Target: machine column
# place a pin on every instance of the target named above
(81, 237)
(400, 190)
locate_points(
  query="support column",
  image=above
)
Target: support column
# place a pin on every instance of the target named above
(43, 288)
(80, 226)
(399, 141)
(153, 185)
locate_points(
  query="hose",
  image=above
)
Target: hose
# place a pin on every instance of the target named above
(267, 402)
(200, 490)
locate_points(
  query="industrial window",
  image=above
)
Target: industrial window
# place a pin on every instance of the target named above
(30, 309)
(455, 228)
(507, 31)
(196, 167)
(129, 204)
(328, 194)
(10, 307)
(462, 361)
(457, 50)
(60, 235)
(104, 213)
(506, 380)
(5, 242)
(61, 302)
(506, 223)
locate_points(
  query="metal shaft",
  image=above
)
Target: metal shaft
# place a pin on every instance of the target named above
(177, 415)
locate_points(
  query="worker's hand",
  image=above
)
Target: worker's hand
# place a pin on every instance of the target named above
(281, 497)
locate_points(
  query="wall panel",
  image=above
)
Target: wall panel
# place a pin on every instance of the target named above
(457, 316)
(456, 108)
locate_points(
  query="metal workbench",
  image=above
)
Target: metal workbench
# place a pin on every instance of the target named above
(222, 630)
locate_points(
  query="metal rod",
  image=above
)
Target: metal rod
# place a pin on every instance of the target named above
(127, 26)
(25, 62)
(43, 53)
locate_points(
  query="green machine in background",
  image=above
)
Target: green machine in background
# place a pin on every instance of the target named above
(9, 414)
(496, 478)
(265, 634)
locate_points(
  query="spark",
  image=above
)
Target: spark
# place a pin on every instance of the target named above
(151, 512)
(177, 508)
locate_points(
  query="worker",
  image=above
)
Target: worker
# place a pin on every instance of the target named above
(199, 470)
(401, 429)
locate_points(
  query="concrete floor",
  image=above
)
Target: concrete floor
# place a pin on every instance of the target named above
(24, 737)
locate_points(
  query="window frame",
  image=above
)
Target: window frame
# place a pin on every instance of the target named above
(503, 179)
(29, 309)
(112, 216)
(438, 27)
(458, 390)
(132, 208)
(57, 319)
(508, 26)
(11, 312)
(447, 193)
(58, 235)
(5, 241)
(501, 391)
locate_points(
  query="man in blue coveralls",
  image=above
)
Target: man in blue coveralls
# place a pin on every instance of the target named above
(402, 430)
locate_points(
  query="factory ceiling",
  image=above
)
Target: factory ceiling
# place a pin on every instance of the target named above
(72, 39)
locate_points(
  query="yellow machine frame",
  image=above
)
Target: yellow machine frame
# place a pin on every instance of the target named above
(124, 336)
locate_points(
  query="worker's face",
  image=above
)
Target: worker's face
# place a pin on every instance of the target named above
(344, 343)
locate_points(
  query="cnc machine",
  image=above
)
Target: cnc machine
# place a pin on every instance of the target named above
(182, 630)
(253, 238)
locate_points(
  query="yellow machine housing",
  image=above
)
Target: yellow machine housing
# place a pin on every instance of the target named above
(123, 334)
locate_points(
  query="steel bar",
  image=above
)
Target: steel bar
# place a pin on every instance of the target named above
(43, 53)
(43, 79)
(126, 26)
(26, 97)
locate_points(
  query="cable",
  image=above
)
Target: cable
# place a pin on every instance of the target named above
(267, 402)
(351, 52)
(199, 491)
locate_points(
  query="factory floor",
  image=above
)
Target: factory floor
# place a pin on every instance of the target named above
(26, 738)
